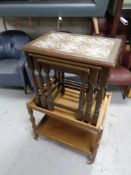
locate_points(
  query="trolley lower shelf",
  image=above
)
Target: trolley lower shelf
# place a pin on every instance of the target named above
(67, 134)
(64, 128)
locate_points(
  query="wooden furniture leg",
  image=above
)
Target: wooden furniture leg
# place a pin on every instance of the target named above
(49, 96)
(36, 88)
(62, 82)
(101, 93)
(129, 93)
(55, 76)
(92, 81)
(58, 77)
(96, 26)
(41, 83)
(91, 158)
(116, 17)
(32, 119)
(30, 21)
(43, 96)
(81, 96)
(125, 91)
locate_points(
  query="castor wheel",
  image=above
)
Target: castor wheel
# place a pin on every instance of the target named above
(90, 159)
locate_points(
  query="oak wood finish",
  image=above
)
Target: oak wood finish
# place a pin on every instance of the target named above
(46, 68)
(109, 61)
(96, 26)
(42, 91)
(32, 119)
(61, 126)
(73, 109)
(71, 98)
(83, 78)
(92, 81)
(129, 93)
(31, 65)
(104, 75)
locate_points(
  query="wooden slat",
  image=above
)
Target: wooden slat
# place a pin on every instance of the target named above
(69, 116)
(69, 135)
(102, 115)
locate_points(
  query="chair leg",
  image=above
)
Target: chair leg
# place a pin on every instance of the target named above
(31, 88)
(124, 90)
(25, 89)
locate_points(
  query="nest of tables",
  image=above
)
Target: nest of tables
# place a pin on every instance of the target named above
(74, 110)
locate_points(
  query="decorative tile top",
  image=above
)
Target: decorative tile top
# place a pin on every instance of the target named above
(77, 44)
(94, 50)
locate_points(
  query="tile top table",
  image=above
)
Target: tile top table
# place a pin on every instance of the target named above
(90, 57)
(79, 48)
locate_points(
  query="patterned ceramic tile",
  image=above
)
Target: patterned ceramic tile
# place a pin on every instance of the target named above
(77, 44)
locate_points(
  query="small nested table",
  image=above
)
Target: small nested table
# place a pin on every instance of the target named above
(74, 110)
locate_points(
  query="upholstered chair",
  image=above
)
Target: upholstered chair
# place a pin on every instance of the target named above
(12, 58)
(121, 74)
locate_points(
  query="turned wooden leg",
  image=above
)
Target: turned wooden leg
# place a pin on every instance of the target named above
(58, 77)
(81, 97)
(96, 26)
(49, 96)
(62, 82)
(36, 89)
(92, 81)
(32, 119)
(55, 76)
(101, 93)
(98, 105)
(42, 91)
(89, 103)
(31, 65)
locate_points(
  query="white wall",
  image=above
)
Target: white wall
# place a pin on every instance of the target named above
(43, 25)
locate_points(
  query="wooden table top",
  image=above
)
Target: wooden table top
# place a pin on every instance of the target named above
(79, 48)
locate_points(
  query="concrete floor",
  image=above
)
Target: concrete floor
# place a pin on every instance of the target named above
(20, 154)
